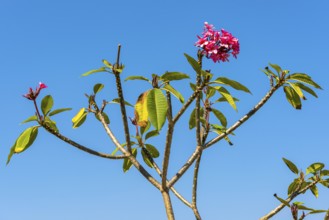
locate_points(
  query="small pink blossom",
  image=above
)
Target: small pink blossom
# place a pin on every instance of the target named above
(217, 45)
(32, 95)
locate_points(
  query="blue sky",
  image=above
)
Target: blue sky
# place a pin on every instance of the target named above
(56, 41)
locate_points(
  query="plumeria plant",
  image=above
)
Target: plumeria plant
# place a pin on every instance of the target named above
(153, 110)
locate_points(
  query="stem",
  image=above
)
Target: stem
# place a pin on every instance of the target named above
(81, 147)
(168, 205)
(122, 102)
(289, 199)
(128, 154)
(37, 109)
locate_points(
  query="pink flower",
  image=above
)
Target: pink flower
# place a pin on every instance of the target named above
(32, 95)
(217, 45)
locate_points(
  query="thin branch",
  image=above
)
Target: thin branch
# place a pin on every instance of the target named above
(81, 147)
(122, 102)
(169, 136)
(185, 167)
(218, 138)
(131, 157)
(288, 200)
(245, 117)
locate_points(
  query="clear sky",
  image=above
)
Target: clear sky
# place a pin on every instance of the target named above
(56, 41)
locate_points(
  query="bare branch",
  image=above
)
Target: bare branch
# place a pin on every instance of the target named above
(81, 147)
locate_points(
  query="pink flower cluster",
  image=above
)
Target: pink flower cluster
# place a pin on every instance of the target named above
(32, 95)
(217, 45)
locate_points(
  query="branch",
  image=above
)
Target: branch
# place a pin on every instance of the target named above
(218, 138)
(128, 154)
(122, 102)
(195, 186)
(169, 136)
(81, 147)
(245, 117)
(289, 199)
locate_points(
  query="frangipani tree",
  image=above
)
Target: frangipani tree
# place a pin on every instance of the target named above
(154, 115)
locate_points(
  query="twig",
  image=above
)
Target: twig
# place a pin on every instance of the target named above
(122, 101)
(245, 117)
(81, 147)
(289, 199)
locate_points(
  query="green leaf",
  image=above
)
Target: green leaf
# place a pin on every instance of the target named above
(317, 211)
(146, 128)
(291, 165)
(173, 91)
(59, 111)
(141, 111)
(195, 65)
(50, 123)
(282, 200)
(152, 150)
(105, 116)
(276, 67)
(225, 93)
(32, 118)
(218, 129)
(11, 153)
(79, 118)
(314, 168)
(222, 99)
(26, 139)
(171, 76)
(138, 78)
(324, 173)
(293, 186)
(301, 207)
(151, 134)
(304, 78)
(146, 158)
(102, 69)
(234, 84)
(107, 64)
(127, 163)
(292, 97)
(306, 89)
(210, 92)
(117, 101)
(315, 191)
(157, 108)
(297, 90)
(46, 104)
(220, 116)
(193, 86)
(325, 183)
(98, 87)
(192, 122)
(270, 74)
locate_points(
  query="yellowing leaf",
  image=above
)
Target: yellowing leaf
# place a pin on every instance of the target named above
(141, 113)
